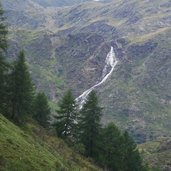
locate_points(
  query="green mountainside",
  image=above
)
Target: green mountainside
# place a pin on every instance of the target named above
(158, 153)
(32, 148)
(138, 94)
(66, 48)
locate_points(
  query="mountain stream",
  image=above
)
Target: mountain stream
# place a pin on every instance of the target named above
(111, 61)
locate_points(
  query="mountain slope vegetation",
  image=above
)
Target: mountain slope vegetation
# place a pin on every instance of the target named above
(158, 152)
(32, 148)
(66, 48)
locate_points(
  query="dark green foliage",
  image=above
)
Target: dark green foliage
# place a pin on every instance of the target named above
(79, 148)
(90, 125)
(118, 152)
(130, 156)
(3, 64)
(22, 91)
(66, 119)
(109, 153)
(3, 32)
(41, 109)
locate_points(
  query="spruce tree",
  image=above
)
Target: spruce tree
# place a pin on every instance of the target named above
(66, 119)
(131, 158)
(119, 151)
(3, 64)
(110, 149)
(41, 110)
(22, 90)
(90, 125)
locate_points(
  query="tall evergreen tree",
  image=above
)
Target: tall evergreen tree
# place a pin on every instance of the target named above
(118, 152)
(131, 158)
(22, 90)
(110, 149)
(3, 64)
(41, 109)
(90, 125)
(66, 119)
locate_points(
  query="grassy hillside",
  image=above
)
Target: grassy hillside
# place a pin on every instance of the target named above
(158, 153)
(33, 149)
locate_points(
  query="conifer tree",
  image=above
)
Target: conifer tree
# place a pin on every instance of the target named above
(41, 109)
(3, 64)
(90, 125)
(22, 91)
(131, 158)
(119, 151)
(66, 119)
(110, 149)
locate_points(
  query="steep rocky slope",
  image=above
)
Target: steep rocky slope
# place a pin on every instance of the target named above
(66, 47)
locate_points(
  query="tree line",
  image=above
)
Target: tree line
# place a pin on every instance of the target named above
(107, 146)
(18, 96)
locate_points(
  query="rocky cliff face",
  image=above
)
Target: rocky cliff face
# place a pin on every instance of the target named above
(66, 47)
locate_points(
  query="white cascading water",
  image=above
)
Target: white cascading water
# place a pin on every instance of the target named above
(111, 61)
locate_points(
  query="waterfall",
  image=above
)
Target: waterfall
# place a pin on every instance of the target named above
(111, 62)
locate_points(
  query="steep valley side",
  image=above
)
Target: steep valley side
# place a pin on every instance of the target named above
(67, 47)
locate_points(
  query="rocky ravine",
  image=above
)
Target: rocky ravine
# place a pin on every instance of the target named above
(110, 62)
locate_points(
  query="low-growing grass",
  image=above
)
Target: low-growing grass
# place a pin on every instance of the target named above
(157, 152)
(33, 148)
